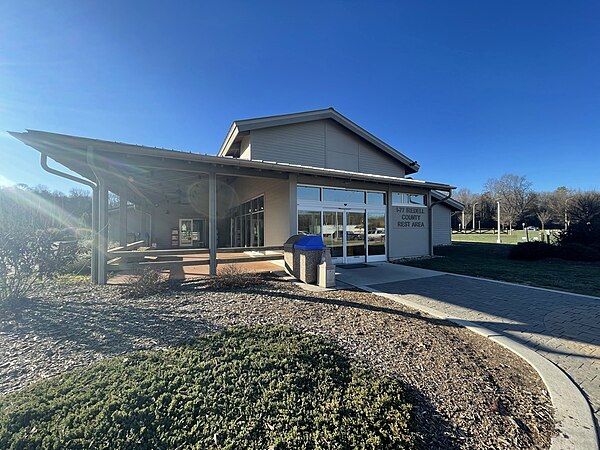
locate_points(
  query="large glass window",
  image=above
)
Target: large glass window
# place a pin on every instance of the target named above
(375, 198)
(309, 193)
(343, 196)
(309, 222)
(247, 223)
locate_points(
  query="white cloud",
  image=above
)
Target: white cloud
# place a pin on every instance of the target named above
(5, 181)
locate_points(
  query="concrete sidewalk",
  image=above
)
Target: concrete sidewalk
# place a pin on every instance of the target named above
(562, 327)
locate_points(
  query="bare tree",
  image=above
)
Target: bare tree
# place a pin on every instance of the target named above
(584, 207)
(515, 195)
(559, 200)
(467, 198)
(543, 208)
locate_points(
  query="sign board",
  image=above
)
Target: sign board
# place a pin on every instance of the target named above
(412, 217)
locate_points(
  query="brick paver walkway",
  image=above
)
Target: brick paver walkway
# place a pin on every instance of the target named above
(564, 328)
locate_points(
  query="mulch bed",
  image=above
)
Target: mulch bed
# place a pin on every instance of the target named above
(468, 392)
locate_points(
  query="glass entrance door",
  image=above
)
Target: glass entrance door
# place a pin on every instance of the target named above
(333, 234)
(355, 236)
(344, 234)
(191, 232)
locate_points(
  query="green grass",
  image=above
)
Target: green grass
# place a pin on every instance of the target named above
(250, 388)
(490, 238)
(491, 261)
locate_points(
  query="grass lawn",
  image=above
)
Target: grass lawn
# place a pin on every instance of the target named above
(263, 387)
(490, 238)
(491, 261)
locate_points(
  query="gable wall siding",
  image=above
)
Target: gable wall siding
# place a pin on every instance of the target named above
(302, 143)
(322, 143)
(442, 234)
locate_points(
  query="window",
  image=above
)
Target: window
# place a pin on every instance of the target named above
(309, 222)
(309, 193)
(375, 198)
(247, 223)
(343, 196)
(403, 198)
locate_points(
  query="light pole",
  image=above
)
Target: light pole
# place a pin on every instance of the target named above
(474, 215)
(499, 241)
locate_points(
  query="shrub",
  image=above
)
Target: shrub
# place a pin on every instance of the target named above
(28, 257)
(232, 276)
(578, 233)
(532, 251)
(248, 388)
(145, 282)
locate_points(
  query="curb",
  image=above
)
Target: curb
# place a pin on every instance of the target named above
(572, 412)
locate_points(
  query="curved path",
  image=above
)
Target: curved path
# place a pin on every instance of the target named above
(562, 327)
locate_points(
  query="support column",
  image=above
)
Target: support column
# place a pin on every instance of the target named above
(102, 231)
(123, 218)
(212, 222)
(293, 203)
(94, 261)
(430, 220)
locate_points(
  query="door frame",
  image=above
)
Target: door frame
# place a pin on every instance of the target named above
(200, 231)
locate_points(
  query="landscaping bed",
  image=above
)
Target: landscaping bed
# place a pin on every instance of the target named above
(465, 391)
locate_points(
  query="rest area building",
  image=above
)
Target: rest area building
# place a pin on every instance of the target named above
(313, 172)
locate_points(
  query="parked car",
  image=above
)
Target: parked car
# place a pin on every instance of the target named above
(533, 228)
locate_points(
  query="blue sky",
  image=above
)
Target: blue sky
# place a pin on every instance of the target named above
(470, 89)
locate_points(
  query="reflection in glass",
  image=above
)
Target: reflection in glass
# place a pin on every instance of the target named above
(355, 234)
(333, 228)
(309, 222)
(376, 233)
(375, 198)
(309, 193)
(343, 196)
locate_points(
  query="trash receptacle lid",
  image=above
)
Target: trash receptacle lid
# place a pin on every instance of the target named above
(310, 242)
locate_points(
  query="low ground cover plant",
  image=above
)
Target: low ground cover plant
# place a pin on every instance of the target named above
(253, 388)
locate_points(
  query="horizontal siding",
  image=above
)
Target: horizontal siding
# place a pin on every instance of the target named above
(321, 143)
(302, 143)
(441, 225)
(375, 161)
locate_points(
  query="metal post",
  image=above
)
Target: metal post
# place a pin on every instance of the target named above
(293, 203)
(474, 216)
(94, 262)
(123, 219)
(212, 222)
(462, 224)
(430, 222)
(499, 241)
(102, 231)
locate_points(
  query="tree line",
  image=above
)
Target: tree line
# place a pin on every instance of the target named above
(519, 204)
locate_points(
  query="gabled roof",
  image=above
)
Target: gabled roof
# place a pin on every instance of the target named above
(450, 202)
(243, 126)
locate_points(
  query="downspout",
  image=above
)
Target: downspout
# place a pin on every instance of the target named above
(430, 217)
(94, 187)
